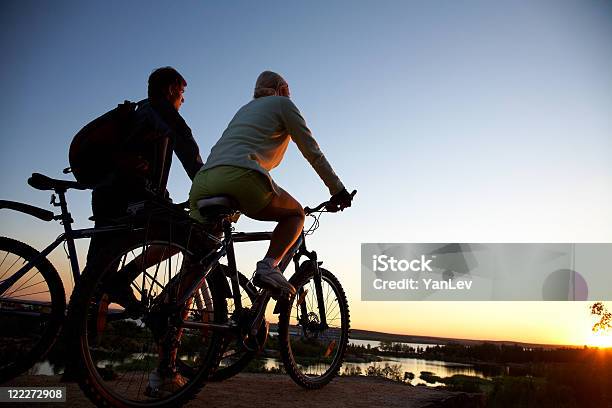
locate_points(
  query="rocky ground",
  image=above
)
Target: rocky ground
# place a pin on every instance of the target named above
(269, 390)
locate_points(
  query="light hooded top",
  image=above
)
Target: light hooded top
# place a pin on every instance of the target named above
(258, 135)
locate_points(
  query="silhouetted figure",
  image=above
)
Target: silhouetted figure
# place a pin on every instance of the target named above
(139, 168)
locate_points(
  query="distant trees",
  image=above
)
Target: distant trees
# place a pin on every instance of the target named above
(398, 348)
(486, 355)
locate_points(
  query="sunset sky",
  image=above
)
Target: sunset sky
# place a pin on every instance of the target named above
(456, 122)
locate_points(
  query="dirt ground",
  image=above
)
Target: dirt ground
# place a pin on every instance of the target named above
(269, 390)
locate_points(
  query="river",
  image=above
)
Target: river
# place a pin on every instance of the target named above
(412, 365)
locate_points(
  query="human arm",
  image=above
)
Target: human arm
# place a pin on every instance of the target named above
(188, 152)
(168, 123)
(308, 146)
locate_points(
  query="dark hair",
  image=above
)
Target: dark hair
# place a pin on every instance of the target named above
(161, 78)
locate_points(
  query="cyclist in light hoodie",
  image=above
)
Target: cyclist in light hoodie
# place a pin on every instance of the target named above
(239, 163)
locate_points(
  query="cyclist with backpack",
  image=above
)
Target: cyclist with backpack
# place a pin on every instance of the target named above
(126, 155)
(239, 163)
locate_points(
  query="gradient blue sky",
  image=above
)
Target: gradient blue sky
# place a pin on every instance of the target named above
(469, 121)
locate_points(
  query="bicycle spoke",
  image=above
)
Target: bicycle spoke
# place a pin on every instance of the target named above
(2, 263)
(23, 288)
(13, 264)
(31, 308)
(23, 283)
(30, 294)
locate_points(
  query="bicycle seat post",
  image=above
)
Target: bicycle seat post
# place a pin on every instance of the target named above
(231, 261)
(66, 220)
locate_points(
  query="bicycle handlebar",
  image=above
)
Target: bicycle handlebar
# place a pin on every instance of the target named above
(326, 204)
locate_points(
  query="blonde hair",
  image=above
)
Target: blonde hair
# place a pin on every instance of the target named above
(268, 84)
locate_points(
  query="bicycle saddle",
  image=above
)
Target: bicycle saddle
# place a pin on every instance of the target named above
(217, 206)
(42, 182)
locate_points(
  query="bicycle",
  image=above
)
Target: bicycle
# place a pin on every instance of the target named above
(32, 294)
(187, 318)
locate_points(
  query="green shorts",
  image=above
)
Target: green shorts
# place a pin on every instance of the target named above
(250, 188)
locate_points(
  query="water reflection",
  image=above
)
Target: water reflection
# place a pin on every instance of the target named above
(405, 365)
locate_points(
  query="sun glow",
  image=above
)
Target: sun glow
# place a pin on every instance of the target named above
(601, 339)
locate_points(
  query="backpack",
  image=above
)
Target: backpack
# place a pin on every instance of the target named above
(94, 149)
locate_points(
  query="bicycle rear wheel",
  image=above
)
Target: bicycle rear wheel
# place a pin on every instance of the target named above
(312, 352)
(31, 308)
(121, 351)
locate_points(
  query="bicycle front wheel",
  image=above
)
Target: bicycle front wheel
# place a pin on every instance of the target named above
(313, 350)
(31, 308)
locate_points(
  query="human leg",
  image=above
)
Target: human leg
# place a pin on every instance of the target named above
(289, 214)
(258, 199)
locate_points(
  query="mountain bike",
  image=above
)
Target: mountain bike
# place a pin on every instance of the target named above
(32, 294)
(186, 325)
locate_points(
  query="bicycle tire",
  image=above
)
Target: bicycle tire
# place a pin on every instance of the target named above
(91, 382)
(10, 368)
(299, 280)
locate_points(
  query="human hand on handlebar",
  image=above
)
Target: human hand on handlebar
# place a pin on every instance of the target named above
(340, 200)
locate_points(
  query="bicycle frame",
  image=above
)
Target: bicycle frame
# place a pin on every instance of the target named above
(69, 236)
(297, 251)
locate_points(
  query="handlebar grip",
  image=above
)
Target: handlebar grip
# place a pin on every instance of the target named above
(327, 206)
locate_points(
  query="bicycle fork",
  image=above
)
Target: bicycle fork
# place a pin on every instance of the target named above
(264, 298)
(312, 256)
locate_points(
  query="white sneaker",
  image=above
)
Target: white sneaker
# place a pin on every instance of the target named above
(271, 278)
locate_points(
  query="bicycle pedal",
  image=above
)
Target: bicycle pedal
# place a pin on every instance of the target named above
(279, 294)
(256, 280)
